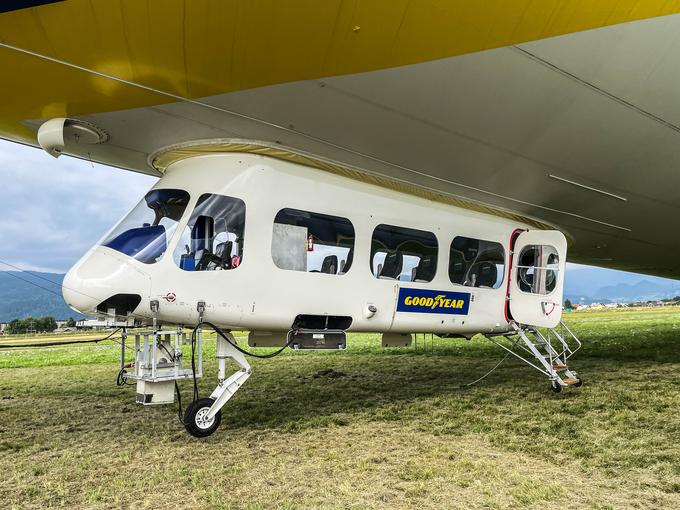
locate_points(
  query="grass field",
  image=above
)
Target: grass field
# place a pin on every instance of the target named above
(388, 429)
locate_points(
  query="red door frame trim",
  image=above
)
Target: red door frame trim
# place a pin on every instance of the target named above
(513, 238)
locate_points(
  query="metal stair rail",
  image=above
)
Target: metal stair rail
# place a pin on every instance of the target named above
(547, 352)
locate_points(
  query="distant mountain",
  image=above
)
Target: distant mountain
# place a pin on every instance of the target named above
(40, 297)
(589, 284)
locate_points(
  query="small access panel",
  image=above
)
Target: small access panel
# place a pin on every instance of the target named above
(537, 278)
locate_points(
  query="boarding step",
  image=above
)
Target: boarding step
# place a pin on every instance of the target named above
(547, 351)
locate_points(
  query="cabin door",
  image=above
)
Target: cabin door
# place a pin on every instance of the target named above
(537, 278)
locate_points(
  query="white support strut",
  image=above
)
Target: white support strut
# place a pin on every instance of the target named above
(227, 388)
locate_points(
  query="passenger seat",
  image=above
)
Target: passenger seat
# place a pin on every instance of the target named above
(424, 271)
(330, 264)
(391, 269)
(485, 274)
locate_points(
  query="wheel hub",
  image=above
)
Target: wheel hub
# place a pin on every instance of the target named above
(202, 420)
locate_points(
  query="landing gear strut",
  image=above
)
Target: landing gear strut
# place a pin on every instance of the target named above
(204, 416)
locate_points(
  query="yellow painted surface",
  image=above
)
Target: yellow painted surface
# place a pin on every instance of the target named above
(200, 48)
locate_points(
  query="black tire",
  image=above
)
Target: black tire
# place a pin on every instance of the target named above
(555, 387)
(192, 418)
(578, 383)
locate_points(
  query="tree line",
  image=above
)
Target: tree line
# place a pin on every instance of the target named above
(35, 325)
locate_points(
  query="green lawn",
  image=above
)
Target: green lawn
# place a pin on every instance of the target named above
(393, 429)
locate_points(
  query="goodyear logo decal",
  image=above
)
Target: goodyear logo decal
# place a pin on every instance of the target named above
(433, 301)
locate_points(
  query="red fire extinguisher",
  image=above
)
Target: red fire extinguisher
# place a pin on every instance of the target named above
(310, 242)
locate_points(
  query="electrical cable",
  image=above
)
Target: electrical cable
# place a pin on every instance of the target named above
(32, 283)
(52, 344)
(243, 351)
(179, 404)
(60, 285)
(121, 380)
(172, 356)
(32, 273)
(485, 375)
(193, 362)
(317, 139)
(180, 417)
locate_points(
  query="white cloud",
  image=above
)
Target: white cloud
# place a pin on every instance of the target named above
(53, 210)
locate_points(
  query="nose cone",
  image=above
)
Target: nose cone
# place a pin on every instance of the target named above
(102, 275)
(73, 289)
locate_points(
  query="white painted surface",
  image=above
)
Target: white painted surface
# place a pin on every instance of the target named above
(259, 295)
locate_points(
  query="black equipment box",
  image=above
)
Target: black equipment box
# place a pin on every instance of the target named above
(317, 339)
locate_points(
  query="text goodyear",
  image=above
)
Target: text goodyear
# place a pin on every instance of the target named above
(433, 301)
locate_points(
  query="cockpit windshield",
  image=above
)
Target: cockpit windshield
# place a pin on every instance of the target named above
(144, 233)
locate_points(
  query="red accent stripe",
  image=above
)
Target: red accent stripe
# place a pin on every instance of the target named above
(513, 237)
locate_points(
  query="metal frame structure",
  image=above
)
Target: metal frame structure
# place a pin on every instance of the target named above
(547, 352)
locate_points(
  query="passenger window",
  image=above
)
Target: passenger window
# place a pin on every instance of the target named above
(213, 238)
(537, 269)
(312, 242)
(476, 263)
(404, 254)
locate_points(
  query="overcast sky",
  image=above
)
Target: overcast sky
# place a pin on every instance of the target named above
(53, 210)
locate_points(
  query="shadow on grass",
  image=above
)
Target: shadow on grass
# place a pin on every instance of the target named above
(391, 387)
(301, 391)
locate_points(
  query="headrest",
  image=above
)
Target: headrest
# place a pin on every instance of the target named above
(392, 266)
(487, 274)
(426, 269)
(202, 233)
(348, 262)
(330, 264)
(204, 228)
(223, 250)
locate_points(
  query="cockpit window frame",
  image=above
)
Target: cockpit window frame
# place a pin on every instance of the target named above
(211, 199)
(125, 236)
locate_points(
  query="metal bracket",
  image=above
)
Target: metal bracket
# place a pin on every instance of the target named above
(154, 304)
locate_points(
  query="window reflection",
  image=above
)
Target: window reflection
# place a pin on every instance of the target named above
(476, 263)
(405, 254)
(144, 233)
(312, 242)
(213, 237)
(537, 269)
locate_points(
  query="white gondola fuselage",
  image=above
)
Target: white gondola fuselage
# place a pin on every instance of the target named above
(263, 241)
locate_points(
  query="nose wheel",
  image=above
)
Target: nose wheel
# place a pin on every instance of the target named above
(196, 419)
